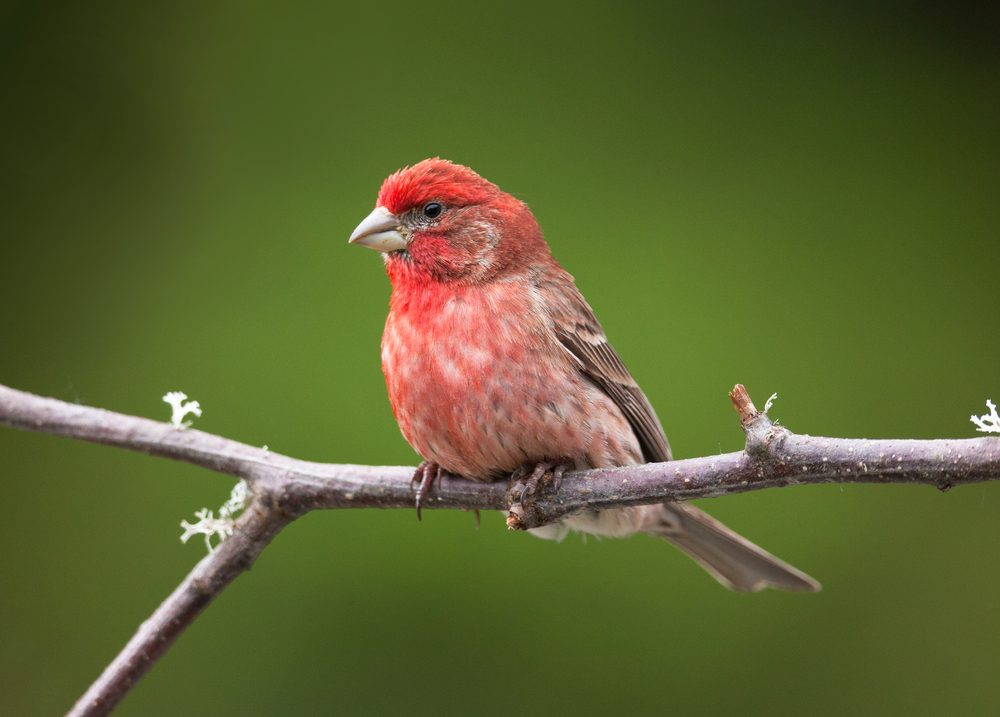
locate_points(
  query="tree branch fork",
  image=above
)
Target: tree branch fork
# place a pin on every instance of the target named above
(283, 489)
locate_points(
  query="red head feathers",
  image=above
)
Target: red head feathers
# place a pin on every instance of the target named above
(441, 222)
(437, 179)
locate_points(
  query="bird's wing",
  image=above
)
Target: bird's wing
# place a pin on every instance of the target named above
(581, 334)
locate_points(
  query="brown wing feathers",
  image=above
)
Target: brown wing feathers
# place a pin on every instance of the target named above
(579, 331)
(603, 365)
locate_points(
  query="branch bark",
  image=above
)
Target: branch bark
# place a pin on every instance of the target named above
(284, 488)
(255, 528)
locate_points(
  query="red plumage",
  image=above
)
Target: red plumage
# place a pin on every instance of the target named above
(493, 361)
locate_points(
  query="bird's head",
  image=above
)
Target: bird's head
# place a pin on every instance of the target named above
(440, 221)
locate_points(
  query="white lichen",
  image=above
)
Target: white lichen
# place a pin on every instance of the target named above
(181, 407)
(988, 422)
(770, 402)
(221, 527)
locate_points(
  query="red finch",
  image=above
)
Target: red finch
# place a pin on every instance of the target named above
(495, 363)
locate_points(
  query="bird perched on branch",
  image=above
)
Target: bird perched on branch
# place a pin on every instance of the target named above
(496, 365)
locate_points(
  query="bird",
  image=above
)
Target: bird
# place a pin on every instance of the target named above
(496, 366)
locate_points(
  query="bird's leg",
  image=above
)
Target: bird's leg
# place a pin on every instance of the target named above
(550, 472)
(423, 478)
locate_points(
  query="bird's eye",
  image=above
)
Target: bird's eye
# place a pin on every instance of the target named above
(432, 210)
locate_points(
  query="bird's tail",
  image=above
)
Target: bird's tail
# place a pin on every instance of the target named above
(730, 558)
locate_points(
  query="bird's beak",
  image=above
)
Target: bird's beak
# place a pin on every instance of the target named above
(380, 231)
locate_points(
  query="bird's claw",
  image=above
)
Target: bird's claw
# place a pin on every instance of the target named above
(423, 479)
(526, 480)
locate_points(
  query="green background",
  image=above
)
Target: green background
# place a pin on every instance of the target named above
(802, 198)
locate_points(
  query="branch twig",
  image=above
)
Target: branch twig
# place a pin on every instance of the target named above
(254, 530)
(284, 488)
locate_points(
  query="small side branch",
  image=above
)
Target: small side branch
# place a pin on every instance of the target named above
(284, 488)
(254, 530)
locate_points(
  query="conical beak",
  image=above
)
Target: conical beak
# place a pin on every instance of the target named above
(380, 231)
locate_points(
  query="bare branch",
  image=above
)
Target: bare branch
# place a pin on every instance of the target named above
(284, 488)
(254, 530)
(774, 457)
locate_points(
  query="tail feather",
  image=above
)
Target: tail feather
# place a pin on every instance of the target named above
(729, 557)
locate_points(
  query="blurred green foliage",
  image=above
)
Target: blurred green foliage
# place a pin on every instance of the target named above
(799, 197)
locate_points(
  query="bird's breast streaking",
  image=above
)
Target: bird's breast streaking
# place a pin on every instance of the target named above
(480, 385)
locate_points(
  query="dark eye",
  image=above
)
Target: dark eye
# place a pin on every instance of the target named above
(432, 210)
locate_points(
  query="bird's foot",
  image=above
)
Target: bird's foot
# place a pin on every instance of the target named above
(529, 480)
(423, 479)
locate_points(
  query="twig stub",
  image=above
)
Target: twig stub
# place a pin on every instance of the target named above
(743, 404)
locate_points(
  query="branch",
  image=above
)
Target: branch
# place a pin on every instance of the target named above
(285, 488)
(254, 530)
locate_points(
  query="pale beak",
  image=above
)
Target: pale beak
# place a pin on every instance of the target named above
(380, 231)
